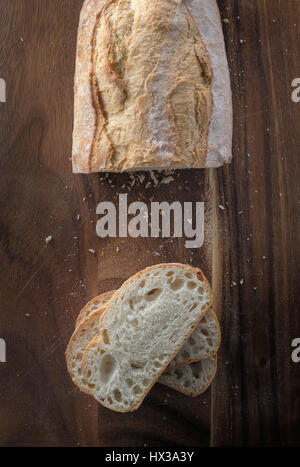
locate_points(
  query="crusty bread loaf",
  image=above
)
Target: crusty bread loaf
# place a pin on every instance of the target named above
(203, 342)
(145, 323)
(92, 306)
(192, 379)
(152, 86)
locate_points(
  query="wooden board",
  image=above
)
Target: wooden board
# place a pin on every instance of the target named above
(251, 253)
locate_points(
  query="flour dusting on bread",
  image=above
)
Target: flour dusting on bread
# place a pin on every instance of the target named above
(152, 87)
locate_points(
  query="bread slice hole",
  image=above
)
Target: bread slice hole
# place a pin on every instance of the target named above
(185, 355)
(193, 306)
(137, 390)
(189, 275)
(204, 332)
(107, 368)
(196, 370)
(187, 383)
(201, 291)
(177, 284)
(137, 365)
(146, 382)
(105, 337)
(170, 273)
(157, 364)
(192, 285)
(192, 341)
(178, 373)
(143, 284)
(110, 400)
(117, 395)
(153, 294)
(129, 382)
(200, 276)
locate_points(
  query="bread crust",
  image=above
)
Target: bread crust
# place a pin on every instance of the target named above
(89, 117)
(99, 338)
(76, 333)
(105, 297)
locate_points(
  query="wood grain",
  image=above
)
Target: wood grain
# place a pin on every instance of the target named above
(255, 399)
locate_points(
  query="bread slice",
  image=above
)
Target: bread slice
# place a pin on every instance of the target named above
(92, 306)
(84, 333)
(203, 343)
(192, 379)
(145, 324)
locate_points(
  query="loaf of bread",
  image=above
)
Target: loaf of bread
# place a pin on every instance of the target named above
(152, 87)
(145, 324)
(203, 342)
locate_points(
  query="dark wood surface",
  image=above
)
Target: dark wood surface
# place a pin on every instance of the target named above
(251, 250)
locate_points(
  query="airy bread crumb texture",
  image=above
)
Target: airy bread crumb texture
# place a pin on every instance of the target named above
(192, 379)
(145, 325)
(202, 344)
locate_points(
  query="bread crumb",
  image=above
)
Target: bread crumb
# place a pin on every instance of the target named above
(167, 180)
(92, 251)
(226, 20)
(48, 239)
(221, 207)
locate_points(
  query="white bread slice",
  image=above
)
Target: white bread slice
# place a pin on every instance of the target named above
(192, 379)
(93, 305)
(203, 343)
(84, 333)
(145, 324)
